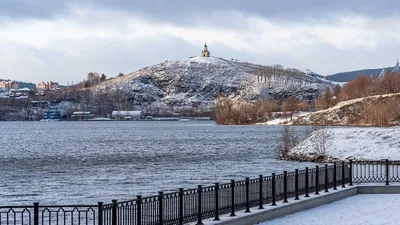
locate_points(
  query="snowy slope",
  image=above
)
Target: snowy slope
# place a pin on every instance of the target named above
(351, 143)
(343, 113)
(199, 79)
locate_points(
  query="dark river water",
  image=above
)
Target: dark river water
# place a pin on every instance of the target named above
(87, 162)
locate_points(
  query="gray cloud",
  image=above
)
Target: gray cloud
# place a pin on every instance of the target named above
(110, 57)
(182, 11)
(122, 53)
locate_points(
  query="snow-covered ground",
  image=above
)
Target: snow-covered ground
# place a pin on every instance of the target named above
(342, 113)
(358, 210)
(352, 143)
(281, 121)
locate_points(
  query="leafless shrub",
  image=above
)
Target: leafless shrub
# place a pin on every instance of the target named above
(320, 141)
(382, 112)
(291, 105)
(228, 111)
(290, 137)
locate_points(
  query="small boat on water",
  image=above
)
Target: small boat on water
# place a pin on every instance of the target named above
(183, 119)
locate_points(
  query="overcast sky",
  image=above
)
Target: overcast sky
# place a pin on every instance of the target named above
(63, 40)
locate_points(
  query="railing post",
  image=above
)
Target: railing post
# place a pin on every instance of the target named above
(316, 180)
(216, 201)
(247, 183)
(343, 175)
(180, 206)
(199, 207)
(100, 213)
(114, 212)
(285, 187)
(296, 184)
(139, 209)
(326, 178)
(273, 190)
(387, 171)
(260, 195)
(351, 172)
(36, 213)
(160, 208)
(306, 183)
(232, 198)
(334, 176)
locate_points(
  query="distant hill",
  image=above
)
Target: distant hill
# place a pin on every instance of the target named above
(24, 84)
(180, 83)
(348, 76)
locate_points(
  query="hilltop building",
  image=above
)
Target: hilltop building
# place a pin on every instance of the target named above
(9, 85)
(205, 52)
(47, 85)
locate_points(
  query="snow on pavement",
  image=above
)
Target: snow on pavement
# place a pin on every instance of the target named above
(358, 210)
(370, 143)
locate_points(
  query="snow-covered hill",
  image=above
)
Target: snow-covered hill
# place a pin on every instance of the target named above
(182, 83)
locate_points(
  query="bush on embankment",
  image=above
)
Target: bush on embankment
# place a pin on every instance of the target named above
(228, 111)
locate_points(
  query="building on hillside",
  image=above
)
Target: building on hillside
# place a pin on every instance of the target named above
(82, 115)
(20, 92)
(9, 85)
(25, 91)
(205, 52)
(51, 114)
(127, 115)
(47, 85)
(4, 93)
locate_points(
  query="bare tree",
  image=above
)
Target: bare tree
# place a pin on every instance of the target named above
(320, 141)
(27, 107)
(291, 105)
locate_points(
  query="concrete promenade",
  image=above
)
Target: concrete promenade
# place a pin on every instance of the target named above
(282, 209)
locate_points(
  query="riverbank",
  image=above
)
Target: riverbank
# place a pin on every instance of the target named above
(344, 143)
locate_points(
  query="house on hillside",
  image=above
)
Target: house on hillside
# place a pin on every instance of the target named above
(9, 85)
(47, 85)
(26, 92)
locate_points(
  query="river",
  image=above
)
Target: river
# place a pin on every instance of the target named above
(87, 162)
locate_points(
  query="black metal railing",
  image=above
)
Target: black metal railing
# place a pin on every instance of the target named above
(51, 214)
(196, 204)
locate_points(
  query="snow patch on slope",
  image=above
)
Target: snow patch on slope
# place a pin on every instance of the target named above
(335, 115)
(353, 143)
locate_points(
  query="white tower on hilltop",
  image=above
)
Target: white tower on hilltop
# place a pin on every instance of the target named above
(205, 52)
(382, 74)
(396, 67)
